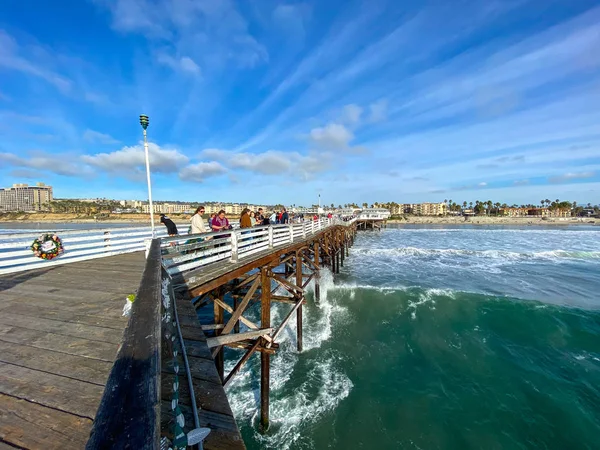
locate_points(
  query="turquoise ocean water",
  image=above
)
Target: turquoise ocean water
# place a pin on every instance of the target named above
(442, 338)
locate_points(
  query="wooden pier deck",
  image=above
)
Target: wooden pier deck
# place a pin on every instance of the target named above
(60, 329)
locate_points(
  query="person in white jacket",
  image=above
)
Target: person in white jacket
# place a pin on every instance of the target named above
(198, 225)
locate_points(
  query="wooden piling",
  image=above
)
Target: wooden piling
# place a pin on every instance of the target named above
(219, 313)
(317, 275)
(265, 358)
(299, 281)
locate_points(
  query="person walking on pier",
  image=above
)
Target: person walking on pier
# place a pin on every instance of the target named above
(198, 225)
(253, 218)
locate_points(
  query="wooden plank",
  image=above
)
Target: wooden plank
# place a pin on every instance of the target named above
(224, 434)
(209, 396)
(223, 339)
(61, 300)
(29, 425)
(104, 351)
(68, 316)
(130, 406)
(77, 367)
(89, 332)
(53, 391)
(201, 369)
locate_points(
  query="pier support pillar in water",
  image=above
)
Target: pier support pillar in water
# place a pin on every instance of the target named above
(299, 282)
(219, 319)
(343, 254)
(317, 275)
(265, 358)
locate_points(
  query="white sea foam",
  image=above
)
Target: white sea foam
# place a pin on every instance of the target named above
(319, 391)
(490, 254)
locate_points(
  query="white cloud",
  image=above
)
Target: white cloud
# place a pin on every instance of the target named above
(332, 135)
(201, 171)
(571, 176)
(482, 184)
(132, 159)
(521, 182)
(215, 153)
(183, 64)
(96, 137)
(270, 162)
(212, 34)
(59, 164)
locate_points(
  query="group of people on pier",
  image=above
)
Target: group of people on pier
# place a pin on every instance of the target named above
(248, 219)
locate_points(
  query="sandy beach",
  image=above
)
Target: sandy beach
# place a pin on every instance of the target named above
(485, 220)
(83, 218)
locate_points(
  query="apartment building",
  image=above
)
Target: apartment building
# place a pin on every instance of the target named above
(168, 208)
(421, 209)
(22, 197)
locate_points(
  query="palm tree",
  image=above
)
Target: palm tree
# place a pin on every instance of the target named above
(465, 204)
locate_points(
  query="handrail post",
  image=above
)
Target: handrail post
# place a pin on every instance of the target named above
(271, 236)
(303, 230)
(291, 228)
(234, 246)
(148, 244)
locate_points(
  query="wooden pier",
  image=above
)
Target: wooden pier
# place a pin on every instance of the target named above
(60, 329)
(71, 367)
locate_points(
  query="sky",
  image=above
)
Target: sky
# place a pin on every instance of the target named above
(280, 101)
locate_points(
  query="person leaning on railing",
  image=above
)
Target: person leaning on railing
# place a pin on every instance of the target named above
(245, 221)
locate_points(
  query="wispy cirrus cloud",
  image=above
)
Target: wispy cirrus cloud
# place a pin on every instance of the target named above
(570, 176)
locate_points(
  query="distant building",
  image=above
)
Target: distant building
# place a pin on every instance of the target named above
(22, 197)
(421, 209)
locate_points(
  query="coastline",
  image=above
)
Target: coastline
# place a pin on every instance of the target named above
(184, 218)
(82, 218)
(485, 220)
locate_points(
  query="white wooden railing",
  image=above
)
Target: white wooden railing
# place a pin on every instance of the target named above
(181, 254)
(79, 245)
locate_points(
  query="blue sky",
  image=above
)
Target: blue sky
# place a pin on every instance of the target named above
(272, 101)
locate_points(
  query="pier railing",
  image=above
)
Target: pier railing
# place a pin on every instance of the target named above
(181, 254)
(79, 245)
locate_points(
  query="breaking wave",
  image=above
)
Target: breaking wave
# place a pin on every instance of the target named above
(491, 254)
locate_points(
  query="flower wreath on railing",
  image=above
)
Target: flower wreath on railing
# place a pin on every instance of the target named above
(47, 246)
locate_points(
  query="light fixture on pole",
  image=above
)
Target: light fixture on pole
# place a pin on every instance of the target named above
(144, 122)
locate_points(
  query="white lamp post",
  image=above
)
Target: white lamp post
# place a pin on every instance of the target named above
(144, 121)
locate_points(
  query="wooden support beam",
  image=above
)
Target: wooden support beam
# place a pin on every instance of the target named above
(283, 299)
(299, 280)
(245, 345)
(248, 323)
(223, 339)
(242, 307)
(316, 262)
(285, 283)
(241, 363)
(219, 319)
(250, 279)
(212, 327)
(265, 358)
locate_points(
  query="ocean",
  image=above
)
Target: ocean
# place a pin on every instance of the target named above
(441, 338)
